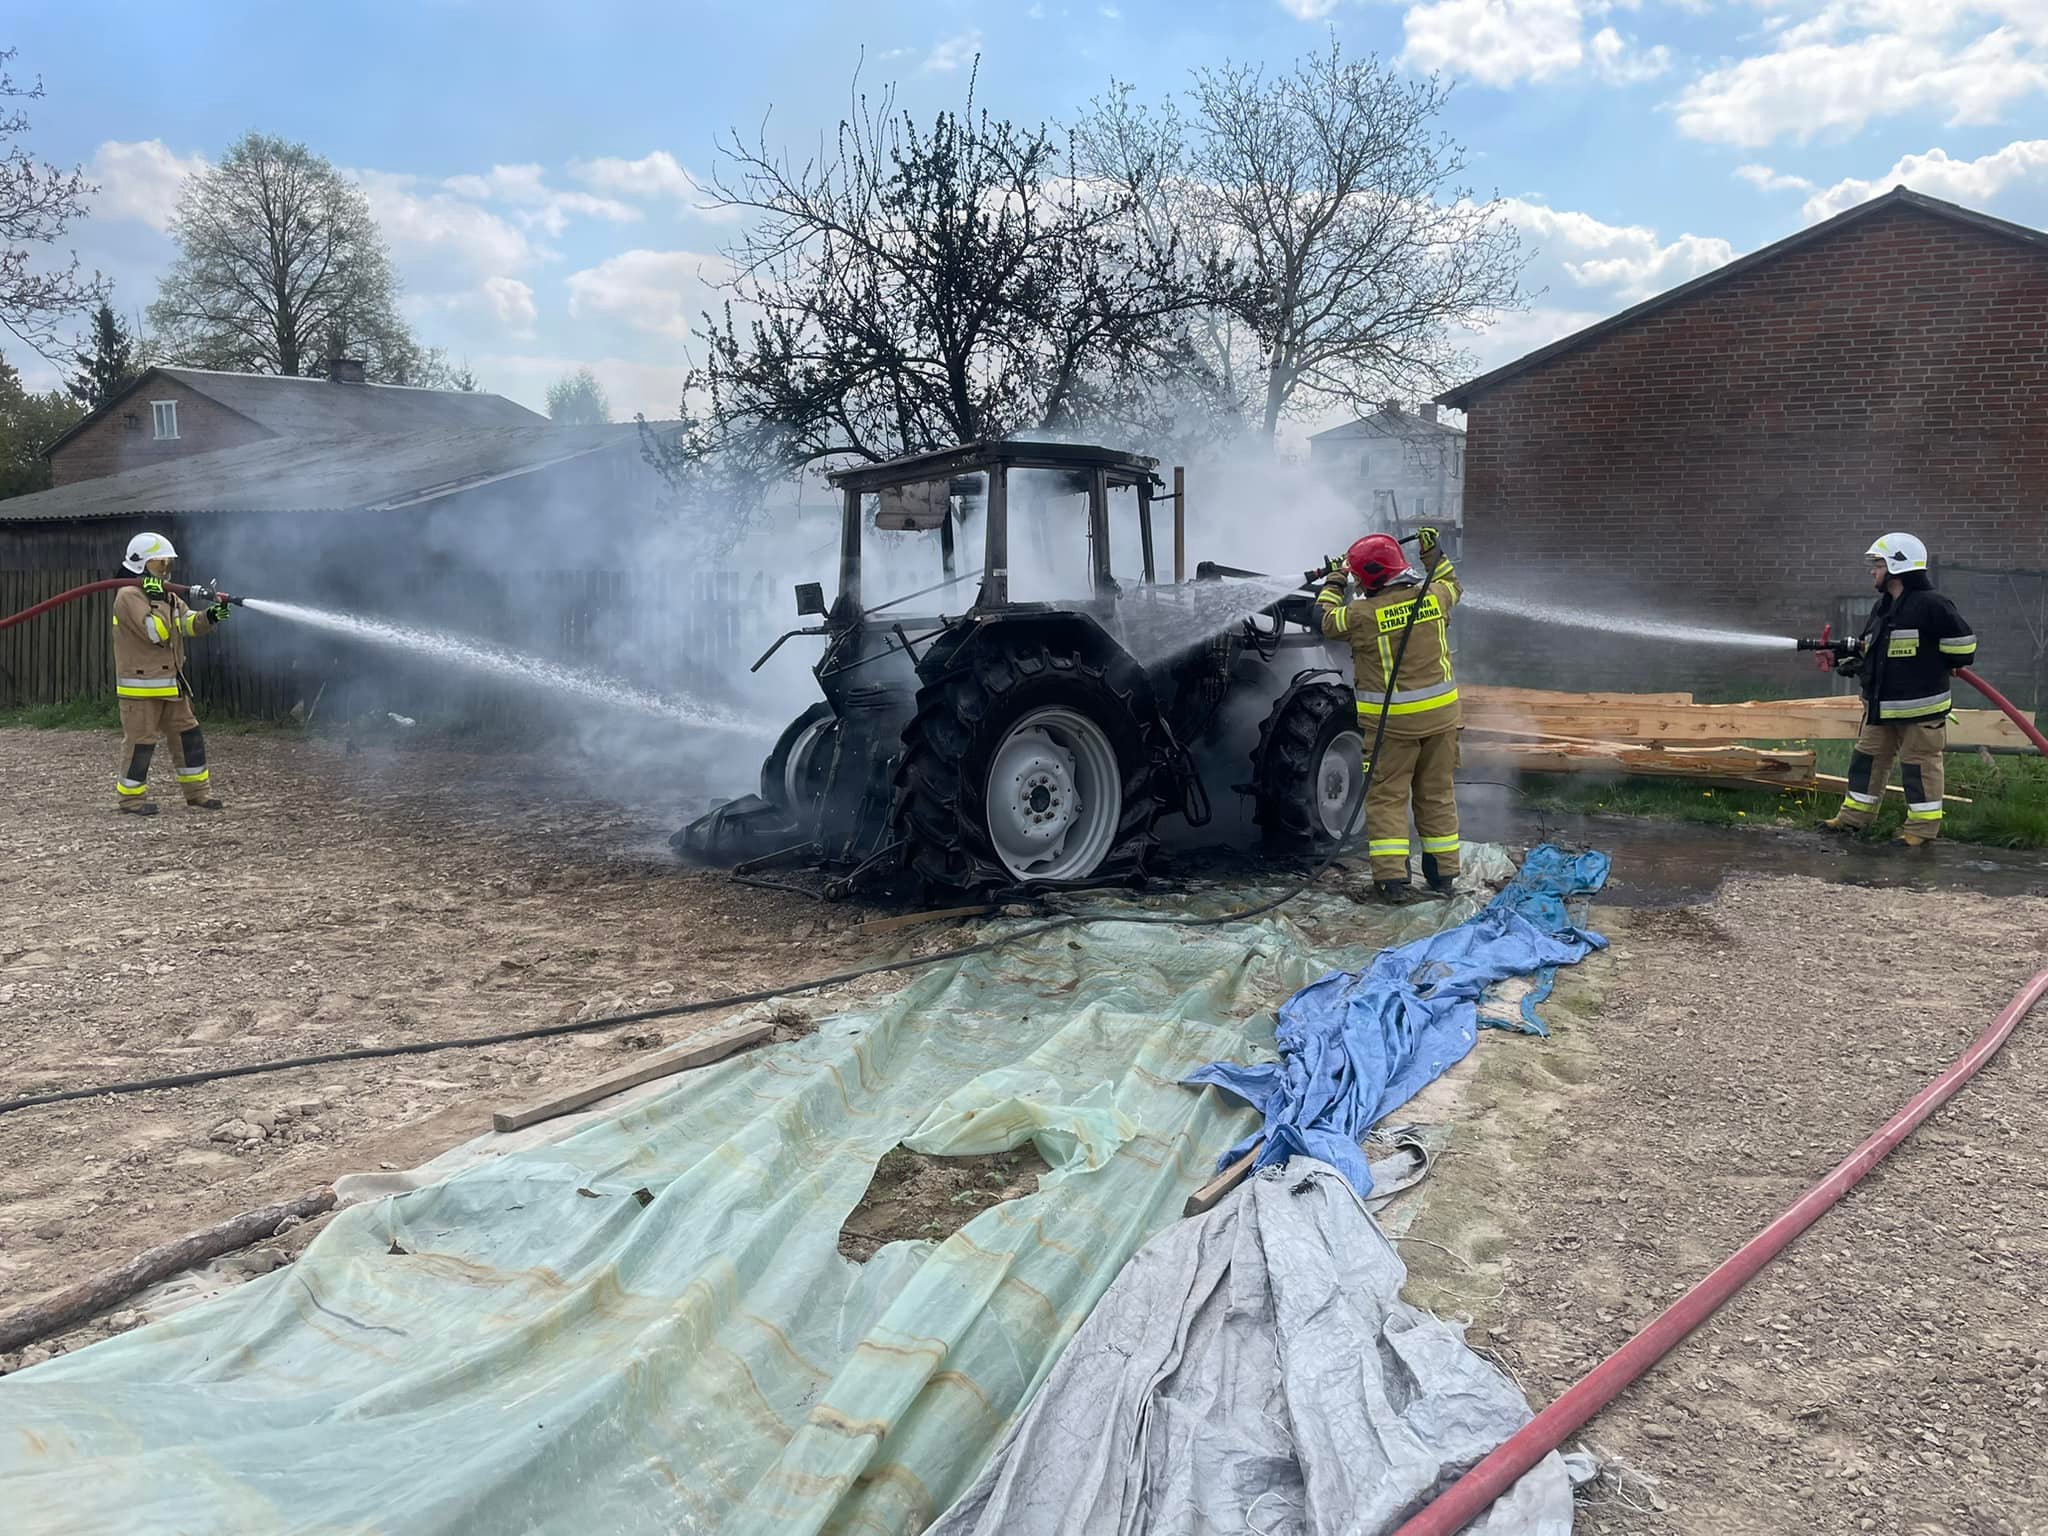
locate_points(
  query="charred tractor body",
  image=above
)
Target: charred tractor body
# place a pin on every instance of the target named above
(1040, 733)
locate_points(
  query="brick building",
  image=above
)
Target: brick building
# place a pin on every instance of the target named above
(175, 413)
(1726, 451)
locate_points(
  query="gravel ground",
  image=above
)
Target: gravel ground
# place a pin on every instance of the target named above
(345, 898)
(1889, 1373)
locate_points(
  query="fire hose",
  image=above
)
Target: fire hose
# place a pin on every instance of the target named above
(1470, 1496)
(209, 594)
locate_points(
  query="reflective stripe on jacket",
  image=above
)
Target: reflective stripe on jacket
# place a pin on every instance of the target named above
(149, 642)
(1912, 643)
(1425, 697)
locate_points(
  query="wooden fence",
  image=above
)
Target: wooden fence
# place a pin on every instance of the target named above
(666, 634)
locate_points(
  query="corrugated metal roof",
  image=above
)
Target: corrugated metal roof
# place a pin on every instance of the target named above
(1898, 197)
(297, 475)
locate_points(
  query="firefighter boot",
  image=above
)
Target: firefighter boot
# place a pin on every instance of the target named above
(1395, 892)
(188, 755)
(1439, 882)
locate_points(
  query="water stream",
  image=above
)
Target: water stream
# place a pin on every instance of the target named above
(480, 656)
(1482, 601)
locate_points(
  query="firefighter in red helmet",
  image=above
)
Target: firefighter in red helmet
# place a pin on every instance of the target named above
(1418, 755)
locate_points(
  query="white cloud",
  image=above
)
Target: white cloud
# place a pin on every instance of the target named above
(1974, 182)
(437, 222)
(1765, 179)
(1496, 42)
(540, 205)
(1619, 62)
(1503, 42)
(512, 302)
(953, 52)
(658, 292)
(1308, 10)
(657, 176)
(1517, 334)
(653, 390)
(1630, 259)
(141, 180)
(1849, 62)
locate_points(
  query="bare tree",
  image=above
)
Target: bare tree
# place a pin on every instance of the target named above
(1334, 191)
(578, 400)
(910, 286)
(279, 267)
(38, 202)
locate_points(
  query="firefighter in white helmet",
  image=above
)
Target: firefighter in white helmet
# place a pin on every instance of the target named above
(151, 626)
(1914, 639)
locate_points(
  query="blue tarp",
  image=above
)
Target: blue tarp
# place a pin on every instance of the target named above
(1357, 1045)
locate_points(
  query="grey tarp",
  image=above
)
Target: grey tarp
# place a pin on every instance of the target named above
(1255, 1370)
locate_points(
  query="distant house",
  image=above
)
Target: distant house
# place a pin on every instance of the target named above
(1730, 448)
(1401, 468)
(175, 413)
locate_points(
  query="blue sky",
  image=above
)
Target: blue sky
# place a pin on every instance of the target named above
(531, 166)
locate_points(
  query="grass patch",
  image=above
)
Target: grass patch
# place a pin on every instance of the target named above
(2010, 795)
(101, 712)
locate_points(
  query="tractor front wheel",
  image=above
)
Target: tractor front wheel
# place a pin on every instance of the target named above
(1027, 763)
(793, 775)
(1310, 768)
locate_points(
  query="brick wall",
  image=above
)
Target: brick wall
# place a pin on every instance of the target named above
(125, 438)
(1729, 458)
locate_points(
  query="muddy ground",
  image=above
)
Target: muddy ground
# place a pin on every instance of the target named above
(345, 898)
(1890, 1372)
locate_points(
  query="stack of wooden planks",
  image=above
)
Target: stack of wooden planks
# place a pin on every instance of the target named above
(1667, 735)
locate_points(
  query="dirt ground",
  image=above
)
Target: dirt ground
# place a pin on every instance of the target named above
(394, 893)
(1890, 1372)
(914, 1198)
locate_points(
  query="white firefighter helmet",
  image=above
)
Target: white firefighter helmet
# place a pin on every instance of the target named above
(1900, 552)
(145, 547)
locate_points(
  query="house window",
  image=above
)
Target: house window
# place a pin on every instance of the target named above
(166, 413)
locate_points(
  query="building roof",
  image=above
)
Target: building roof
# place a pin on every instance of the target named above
(319, 408)
(1898, 197)
(1120, 467)
(1389, 421)
(282, 474)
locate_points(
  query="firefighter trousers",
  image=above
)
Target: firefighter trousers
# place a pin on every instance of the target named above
(142, 722)
(1918, 745)
(1422, 770)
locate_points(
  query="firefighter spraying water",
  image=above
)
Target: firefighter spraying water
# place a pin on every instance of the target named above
(152, 625)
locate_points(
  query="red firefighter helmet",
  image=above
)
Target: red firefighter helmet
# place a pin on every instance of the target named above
(1376, 560)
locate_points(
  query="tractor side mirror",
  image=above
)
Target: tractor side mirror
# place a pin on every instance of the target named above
(810, 598)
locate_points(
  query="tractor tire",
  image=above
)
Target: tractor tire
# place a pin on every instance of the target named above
(1026, 761)
(1307, 768)
(793, 774)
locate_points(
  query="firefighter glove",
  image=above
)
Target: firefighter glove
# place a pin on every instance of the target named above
(152, 587)
(1428, 538)
(1849, 666)
(218, 613)
(1334, 569)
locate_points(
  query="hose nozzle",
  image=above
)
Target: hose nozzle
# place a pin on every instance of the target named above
(211, 594)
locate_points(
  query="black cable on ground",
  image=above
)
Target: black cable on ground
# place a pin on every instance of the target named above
(1352, 806)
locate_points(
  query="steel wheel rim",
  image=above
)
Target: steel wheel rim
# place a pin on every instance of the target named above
(1337, 780)
(1054, 796)
(797, 766)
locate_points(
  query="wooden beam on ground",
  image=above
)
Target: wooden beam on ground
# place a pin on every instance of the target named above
(913, 919)
(1657, 718)
(75, 1303)
(1210, 1193)
(1786, 769)
(701, 1054)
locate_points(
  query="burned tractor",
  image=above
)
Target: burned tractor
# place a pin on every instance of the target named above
(1045, 732)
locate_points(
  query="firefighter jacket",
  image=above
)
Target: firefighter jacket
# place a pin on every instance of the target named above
(1910, 646)
(1425, 697)
(149, 642)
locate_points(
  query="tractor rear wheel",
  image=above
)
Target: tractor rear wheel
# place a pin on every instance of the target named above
(793, 774)
(1310, 767)
(1026, 762)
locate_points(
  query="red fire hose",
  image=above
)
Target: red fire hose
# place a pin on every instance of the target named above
(76, 592)
(2011, 709)
(1468, 1498)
